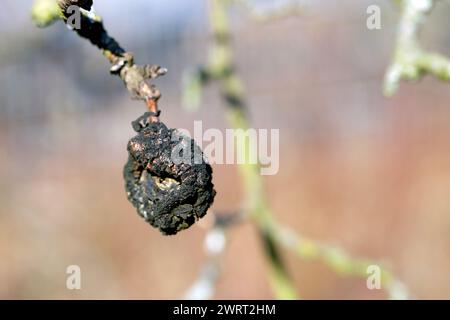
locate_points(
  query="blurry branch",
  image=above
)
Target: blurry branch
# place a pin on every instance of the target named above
(278, 10)
(135, 77)
(410, 61)
(339, 261)
(221, 69)
(194, 80)
(45, 12)
(215, 244)
(204, 287)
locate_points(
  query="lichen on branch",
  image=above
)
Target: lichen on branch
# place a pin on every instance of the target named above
(410, 61)
(45, 12)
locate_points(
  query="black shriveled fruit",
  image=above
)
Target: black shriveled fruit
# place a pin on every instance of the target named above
(168, 193)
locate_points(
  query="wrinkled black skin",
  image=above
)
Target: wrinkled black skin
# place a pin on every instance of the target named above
(180, 206)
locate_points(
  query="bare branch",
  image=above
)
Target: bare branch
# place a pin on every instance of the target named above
(410, 61)
(338, 260)
(135, 77)
(214, 245)
(276, 11)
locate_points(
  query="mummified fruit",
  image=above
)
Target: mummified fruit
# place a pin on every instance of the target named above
(168, 188)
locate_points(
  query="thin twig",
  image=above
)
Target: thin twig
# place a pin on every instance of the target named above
(276, 11)
(135, 77)
(221, 68)
(339, 261)
(410, 61)
(214, 245)
(45, 12)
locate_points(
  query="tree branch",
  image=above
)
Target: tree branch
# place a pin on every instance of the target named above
(135, 77)
(410, 61)
(221, 69)
(277, 11)
(45, 12)
(214, 244)
(338, 260)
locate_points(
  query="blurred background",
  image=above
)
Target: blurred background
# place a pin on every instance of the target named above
(357, 170)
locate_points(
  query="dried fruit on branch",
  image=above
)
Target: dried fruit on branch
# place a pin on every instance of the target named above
(168, 188)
